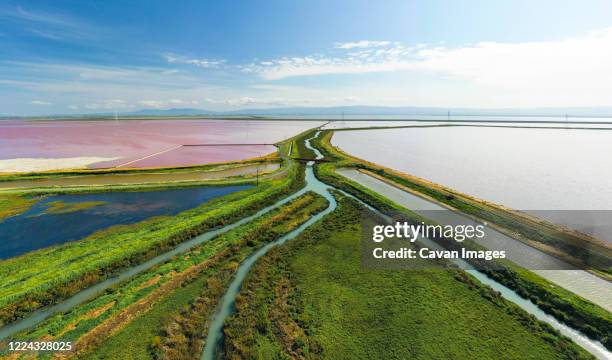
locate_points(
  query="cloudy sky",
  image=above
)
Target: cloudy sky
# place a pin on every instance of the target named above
(68, 56)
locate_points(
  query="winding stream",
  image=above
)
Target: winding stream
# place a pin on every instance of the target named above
(215, 334)
(580, 282)
(214, 338)
(226, 307)
(596, 348)
(40, 315)
(416, 203)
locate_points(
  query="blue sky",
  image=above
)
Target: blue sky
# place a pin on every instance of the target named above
(80, 57)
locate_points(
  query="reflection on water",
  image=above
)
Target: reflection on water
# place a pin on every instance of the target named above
(36, 229)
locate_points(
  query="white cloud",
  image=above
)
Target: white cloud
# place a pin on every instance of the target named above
(321, 65)
(566, 72)
(182, 102)
(276, 87)
(21, 14)
(357, 58)
(54, 26)
(78, 81)
(88, 87)
(248, 101)
(152, 103)
(44, 34)
(362, 44)
(161, 104)
(111, 104)
(203, 63)
(576, 63)
(242, 101)
(569, 71)
(251, 101)
(39, 102)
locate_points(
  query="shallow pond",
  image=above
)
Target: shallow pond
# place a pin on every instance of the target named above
(41, 226)
(581, 282)
(348, 124)
(52, 144)
(562, 175)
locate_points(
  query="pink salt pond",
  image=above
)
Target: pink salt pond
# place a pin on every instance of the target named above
(138, 143)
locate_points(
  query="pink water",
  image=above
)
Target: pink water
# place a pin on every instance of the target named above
(135, 139)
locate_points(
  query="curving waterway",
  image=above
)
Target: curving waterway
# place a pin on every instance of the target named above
(215, 333)
(40, 315)
(226, 307)
(214, 338)
(580, 282)
(588, 284)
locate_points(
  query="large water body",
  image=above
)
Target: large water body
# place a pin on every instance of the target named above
(140, 143)
(563, 175)
(476, 118)
(350, 124)
(35, 229)
(312, 184)
(580, 282)
(226, 307)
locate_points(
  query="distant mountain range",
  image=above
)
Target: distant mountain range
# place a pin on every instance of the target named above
(383, 110)
(359, 110)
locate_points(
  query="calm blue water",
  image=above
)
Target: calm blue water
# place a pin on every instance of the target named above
(34, 230)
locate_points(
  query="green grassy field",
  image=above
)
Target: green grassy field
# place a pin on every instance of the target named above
(123, 171)
(574, 247)
(311, 299)
(138, 339)
(62, 207)
(307, 299)
(11, 205)
(153, 186)
(126, 320)
(567, 307)
(47, 275)
(174, 327)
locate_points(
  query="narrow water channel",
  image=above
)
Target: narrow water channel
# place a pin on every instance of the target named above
(596, 348)
(580, 282)
(214, 338)
(40, 315)
(226, 307)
